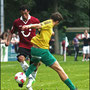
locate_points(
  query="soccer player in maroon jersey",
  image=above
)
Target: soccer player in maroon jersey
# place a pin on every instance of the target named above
(25, 38)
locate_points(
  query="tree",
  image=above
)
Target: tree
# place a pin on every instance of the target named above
(11, 8)
(74, 12)
(55, 6)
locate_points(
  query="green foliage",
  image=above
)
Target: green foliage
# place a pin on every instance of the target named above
(30, 3)
(82, 4)
(75, 12)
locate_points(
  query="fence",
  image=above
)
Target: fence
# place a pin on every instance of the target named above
(7, 53)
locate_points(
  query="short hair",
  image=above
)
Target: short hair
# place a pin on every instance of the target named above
(85, 30)
(56, 16)
(23, 7)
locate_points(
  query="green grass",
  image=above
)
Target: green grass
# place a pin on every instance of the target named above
(47, 79)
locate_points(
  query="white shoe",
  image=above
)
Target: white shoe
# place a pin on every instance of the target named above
(30, 88)
(83, 60)
(87, 59)
(30, 81)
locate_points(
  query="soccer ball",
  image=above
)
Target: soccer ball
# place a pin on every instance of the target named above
(20, 77)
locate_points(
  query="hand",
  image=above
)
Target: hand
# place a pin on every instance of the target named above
(53, 33)
(24, 27)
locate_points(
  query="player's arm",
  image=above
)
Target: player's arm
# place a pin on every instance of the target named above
(34, 26)
(2, 41)
(45, 25)
(80, 36)
(8, 39)
(13, 29)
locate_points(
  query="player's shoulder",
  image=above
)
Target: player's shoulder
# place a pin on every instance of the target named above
(34, 19)
(47, 21)
(16, 20)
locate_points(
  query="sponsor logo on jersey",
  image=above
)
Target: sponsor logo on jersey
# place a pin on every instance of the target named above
(26, 35)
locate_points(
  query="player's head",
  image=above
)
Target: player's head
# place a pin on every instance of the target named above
(24, 10)
(56, 17)
(77, 36)
(86, 31)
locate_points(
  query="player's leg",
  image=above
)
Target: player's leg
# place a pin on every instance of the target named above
(32, 76)
(29, 72)
(33, 66)
(21, 58)
(63, 75)
(31, 69)
(84, 52)
(64, 55)
(83, 57)
(35, 59)
(76, 53)
(87, 56)
(24, 65)
(89, 52)
(33, 72)
(49, 60)
(22, 53)
(58, 69)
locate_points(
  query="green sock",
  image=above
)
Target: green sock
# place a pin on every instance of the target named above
(31, 68)
(69, 84)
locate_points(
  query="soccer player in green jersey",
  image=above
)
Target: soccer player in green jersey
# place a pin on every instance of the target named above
(40, 52)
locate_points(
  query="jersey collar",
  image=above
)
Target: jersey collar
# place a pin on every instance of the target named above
(29, 17)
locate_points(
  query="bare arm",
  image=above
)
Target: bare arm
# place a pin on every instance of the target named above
(8, 39)
(2, 41)
(35, 26)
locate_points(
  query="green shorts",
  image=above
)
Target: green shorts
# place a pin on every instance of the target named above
(42, 55)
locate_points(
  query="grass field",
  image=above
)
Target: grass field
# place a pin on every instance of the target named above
(47, 79)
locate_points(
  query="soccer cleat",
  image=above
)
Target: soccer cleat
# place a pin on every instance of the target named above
(20, 85)
(30, 81)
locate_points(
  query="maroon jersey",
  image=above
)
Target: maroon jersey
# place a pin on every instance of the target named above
(27, 34)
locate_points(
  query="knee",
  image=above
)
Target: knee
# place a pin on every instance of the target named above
(21, 58)
(37, 65)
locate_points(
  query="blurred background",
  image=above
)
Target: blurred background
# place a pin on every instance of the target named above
(75, 14)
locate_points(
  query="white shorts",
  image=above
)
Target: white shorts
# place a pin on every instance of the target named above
(89, 49)
(86, 49)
